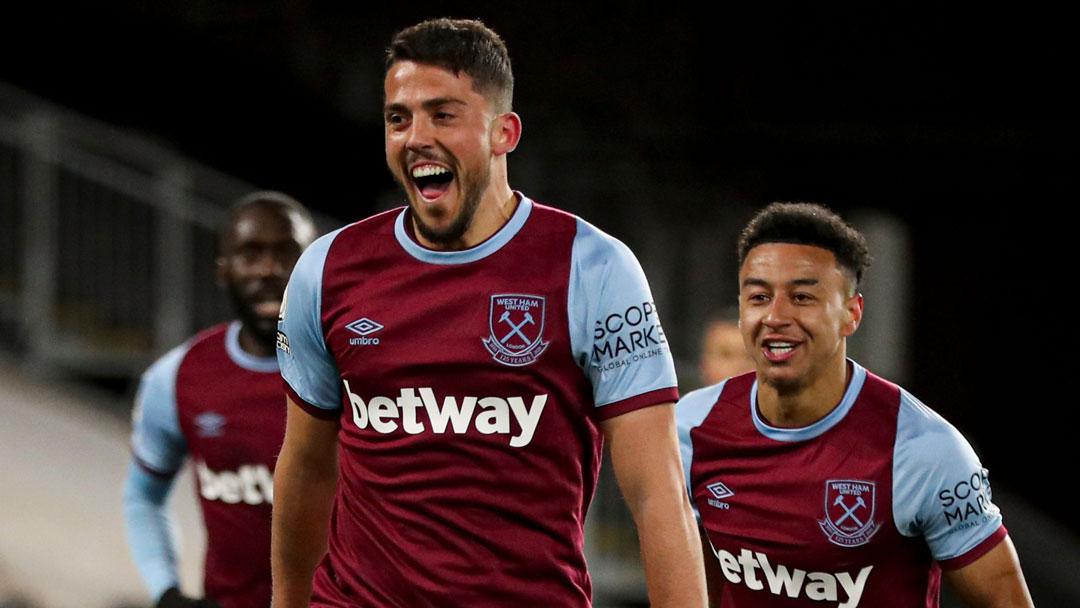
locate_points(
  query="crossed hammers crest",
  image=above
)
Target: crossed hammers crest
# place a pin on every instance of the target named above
(515, 329)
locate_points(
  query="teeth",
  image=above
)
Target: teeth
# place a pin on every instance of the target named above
(429, 170)
(780, 348)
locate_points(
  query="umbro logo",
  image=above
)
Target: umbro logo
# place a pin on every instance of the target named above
(719, 492)
(210, 424)
(364, 327)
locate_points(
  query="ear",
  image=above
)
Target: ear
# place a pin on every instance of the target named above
(854, 306)
(220, 272)
(505, 133)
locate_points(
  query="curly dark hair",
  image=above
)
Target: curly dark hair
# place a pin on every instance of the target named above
(808, 224)
(459, 45)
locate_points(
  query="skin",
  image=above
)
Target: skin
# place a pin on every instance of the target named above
(992, 581)
(305, 480)
(258, 251)
(259, 247)
(798, 294)
(645, 457)
(436, 117)
(723, 354)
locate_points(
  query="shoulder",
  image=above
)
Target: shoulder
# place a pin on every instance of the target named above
(307, 274)
(210, 337)
(694, 407)
(593, 246)
(162, 372)
(603, 264)
(154, 418)
(924, 437)
(319, 249)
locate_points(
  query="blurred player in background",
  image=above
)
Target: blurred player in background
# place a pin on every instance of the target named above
(723, 354)
(217, 399)
(465, 356)
(815, 480)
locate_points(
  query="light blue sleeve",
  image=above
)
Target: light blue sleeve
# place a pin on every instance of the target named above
(615, 332)
(305, 361)
(940, 490)
(690, 412)
(156, 440)
(158, 445)
(150, 532)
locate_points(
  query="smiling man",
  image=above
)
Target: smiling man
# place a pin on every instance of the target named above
(217, 399)
(816, 482)
(453, 366)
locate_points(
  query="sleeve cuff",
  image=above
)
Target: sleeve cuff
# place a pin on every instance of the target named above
(976, 552)
(313, 410)
(156, 472)
(618, 408)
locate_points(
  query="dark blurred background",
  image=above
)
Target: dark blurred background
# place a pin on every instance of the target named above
(953, 126)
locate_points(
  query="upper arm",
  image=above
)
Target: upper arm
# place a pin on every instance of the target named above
(941, 491)
(995, 579)
(310, 441)
(157, 442)
(615, 332)
(645, 453)
(307, 365)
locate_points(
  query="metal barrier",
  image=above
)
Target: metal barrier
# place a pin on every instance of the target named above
(106, 241)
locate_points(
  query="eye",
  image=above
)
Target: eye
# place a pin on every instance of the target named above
(443, 116)
(394, 119)
(802, 298)
(757, 298)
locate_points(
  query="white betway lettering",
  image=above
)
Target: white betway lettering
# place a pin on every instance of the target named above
(490, 415)
(781, 580)
(251, 484)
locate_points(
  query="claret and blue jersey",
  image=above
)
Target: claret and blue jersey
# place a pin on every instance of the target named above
(209, 401)
(469, 386)
(862, 508)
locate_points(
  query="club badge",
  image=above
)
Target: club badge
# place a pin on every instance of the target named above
(849, 512)
(516, 325)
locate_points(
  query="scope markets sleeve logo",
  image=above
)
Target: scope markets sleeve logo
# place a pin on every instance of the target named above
(626, 336)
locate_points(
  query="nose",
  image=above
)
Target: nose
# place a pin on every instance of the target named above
(778, 313)
(268, 264)
(420, 135)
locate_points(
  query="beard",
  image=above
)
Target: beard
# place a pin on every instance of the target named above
(472, 188)
(263, 328)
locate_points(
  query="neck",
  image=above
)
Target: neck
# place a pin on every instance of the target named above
(803, 406)
(252, 345)
(495, 209)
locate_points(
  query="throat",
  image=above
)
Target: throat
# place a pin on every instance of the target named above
(254, 344)
(802, 406)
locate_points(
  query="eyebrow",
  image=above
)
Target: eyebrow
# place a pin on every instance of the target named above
(428, 104)
(755, 282)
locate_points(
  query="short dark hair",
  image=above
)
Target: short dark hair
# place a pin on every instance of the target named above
(808, 224)
(271, 200)
(459, 45)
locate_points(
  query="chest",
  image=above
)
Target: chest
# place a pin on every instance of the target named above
(231, 418)
(396, 318)
(832, 500)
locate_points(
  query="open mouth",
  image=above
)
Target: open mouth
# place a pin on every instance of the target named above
(432, 181)
(267, 307)
(778, 350)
